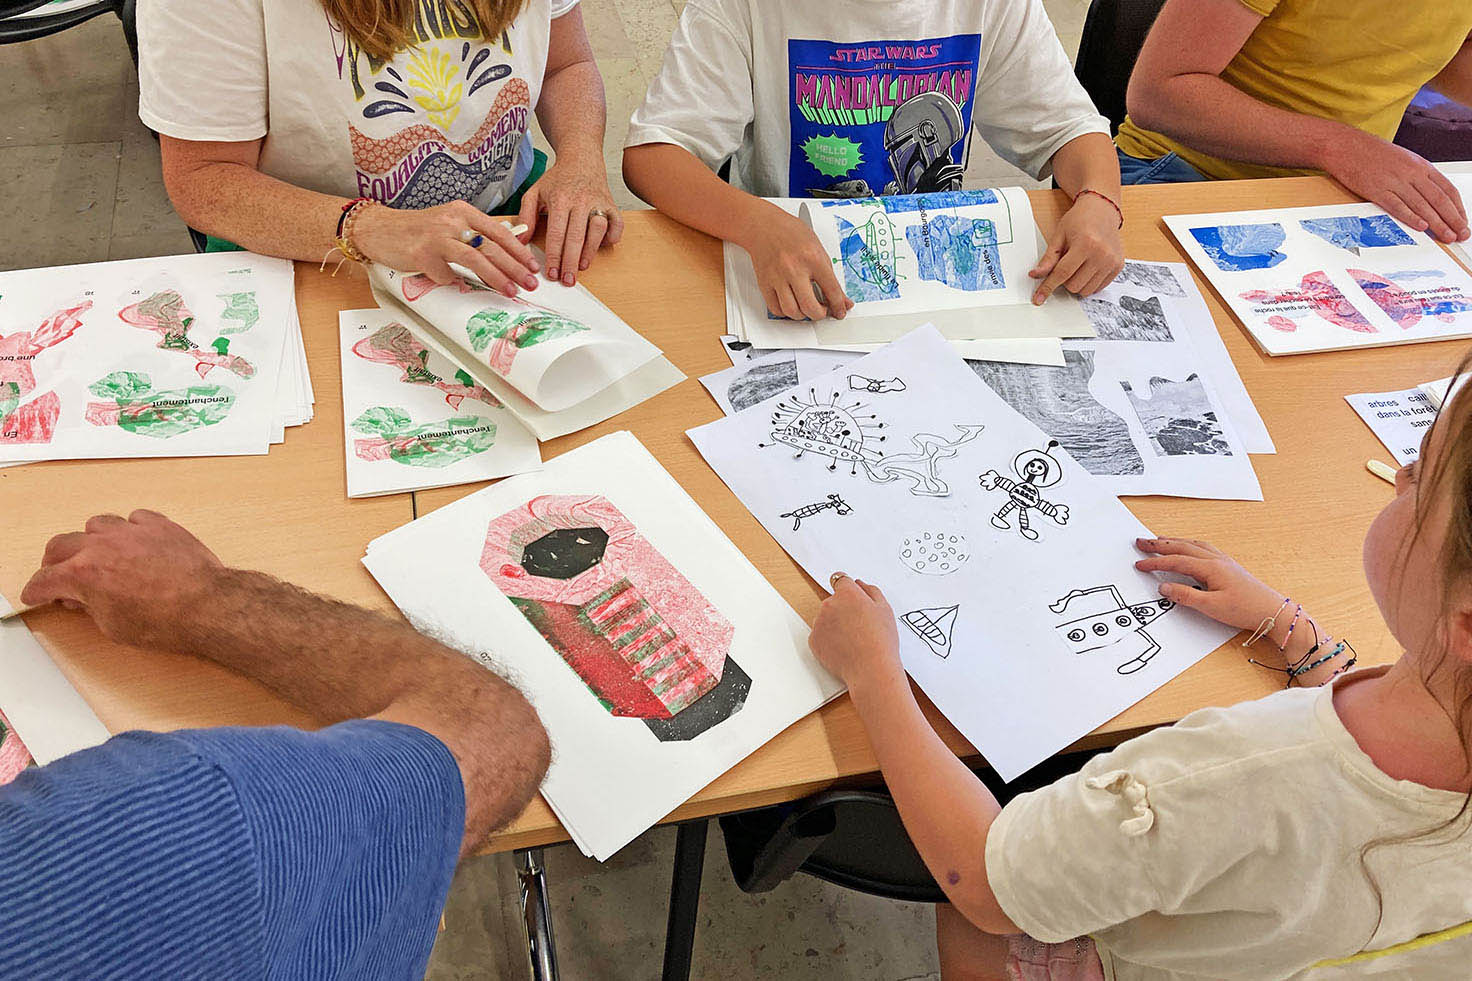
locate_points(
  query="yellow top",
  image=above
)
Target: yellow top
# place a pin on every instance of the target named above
(1356, 61)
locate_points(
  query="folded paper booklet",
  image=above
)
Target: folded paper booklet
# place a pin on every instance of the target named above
(656, 655)
(413, 420)
(557, 358)
(955, 259)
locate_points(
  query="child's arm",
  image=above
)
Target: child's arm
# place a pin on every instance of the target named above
(1086, 251)
(945, 808)
(1231, 595)
(788, 258)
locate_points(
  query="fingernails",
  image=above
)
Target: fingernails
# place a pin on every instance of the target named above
(583, 265)
(510, 289)
(530, 282)
(567, 279)
(551, 272)
(535, 265)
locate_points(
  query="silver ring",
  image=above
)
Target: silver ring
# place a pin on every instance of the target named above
(598, 213)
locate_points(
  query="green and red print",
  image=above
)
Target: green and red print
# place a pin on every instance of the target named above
(130, 403)
(513, 330)
(165, 314)
(35, 420)
(393, 344)
(14, 757)
(390, 433)
(642, 638)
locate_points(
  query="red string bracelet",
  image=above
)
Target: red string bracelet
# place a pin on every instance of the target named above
(1101, 194)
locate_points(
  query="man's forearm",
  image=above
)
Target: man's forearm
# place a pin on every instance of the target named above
(1455, 80)
(333, 659)
(673, 180)
(946, 809)
(1213, 116)
(572, 111)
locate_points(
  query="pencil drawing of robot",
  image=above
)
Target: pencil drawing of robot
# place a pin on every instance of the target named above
(1037, 469)
(1099, 619)
(836, 503)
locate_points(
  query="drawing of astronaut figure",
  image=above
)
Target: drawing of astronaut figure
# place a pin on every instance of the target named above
(919, 138)
(1038, 469)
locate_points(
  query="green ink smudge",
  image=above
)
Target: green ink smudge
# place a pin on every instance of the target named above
(241, 312)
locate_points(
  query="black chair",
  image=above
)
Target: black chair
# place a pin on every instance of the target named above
(1114, 31)
(20, 22)
(852, 838)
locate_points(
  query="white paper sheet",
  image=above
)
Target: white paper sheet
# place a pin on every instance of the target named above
(40, 703)
(556, 345)
(901, 488)
(644, 382)
(1328, 278)
(746, 383)
(612, 776)
(173, 356)
(1439, 391)
(1398, 420)
(1459, 172)
(412, 420)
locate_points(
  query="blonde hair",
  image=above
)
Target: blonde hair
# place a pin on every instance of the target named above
(381, 28)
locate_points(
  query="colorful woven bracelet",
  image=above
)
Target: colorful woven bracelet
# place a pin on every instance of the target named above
(345, 223)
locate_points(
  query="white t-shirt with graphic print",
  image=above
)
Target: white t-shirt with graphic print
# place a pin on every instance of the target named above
(848, 98)
(442, 121)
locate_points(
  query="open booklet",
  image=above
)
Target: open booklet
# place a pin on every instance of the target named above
(559, 359)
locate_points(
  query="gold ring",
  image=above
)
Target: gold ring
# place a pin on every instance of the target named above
(836, 578)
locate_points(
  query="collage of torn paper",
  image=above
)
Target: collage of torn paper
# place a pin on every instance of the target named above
(194, 355)
(557, 358)
(655, 653)
(414, 420)
(1009, 566)
(1328, 278)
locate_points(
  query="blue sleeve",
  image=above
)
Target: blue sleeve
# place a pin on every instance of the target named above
(242, 853)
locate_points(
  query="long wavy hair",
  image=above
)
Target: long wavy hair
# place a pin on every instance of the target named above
(381, 28)
(1448, 478)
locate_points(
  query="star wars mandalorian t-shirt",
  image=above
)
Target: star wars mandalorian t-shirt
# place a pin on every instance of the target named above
(862, 97)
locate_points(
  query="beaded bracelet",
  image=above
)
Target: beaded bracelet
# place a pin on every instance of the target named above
(1267, 625)
(1100, 194)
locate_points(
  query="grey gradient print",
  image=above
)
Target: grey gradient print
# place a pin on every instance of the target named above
(1178, 418)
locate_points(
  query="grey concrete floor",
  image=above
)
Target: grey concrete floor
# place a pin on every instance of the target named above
(85, 187)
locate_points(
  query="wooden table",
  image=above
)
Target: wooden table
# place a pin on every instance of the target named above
(287, 513)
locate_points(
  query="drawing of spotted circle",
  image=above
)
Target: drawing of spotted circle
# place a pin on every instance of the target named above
(935, 553)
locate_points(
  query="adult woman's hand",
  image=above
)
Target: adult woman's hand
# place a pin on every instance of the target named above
(427, 241)
(581, 215)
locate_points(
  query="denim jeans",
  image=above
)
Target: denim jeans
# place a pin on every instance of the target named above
(1169, 169)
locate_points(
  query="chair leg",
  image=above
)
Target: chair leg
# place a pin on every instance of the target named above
(679, 937)
(536, 914)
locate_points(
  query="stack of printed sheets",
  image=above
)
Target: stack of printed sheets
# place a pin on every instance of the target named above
(956, 259)
(197, 355)
(1152, 404)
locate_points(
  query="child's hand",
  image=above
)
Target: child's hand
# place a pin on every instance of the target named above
(1085, 252)
(855, 635)
(1228, 593)
(789, 259)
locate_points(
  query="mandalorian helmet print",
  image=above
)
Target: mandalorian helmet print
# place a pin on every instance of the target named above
(918, 138)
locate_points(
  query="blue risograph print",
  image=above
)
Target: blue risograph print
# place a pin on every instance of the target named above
(1355, 232)
(1238, 248)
